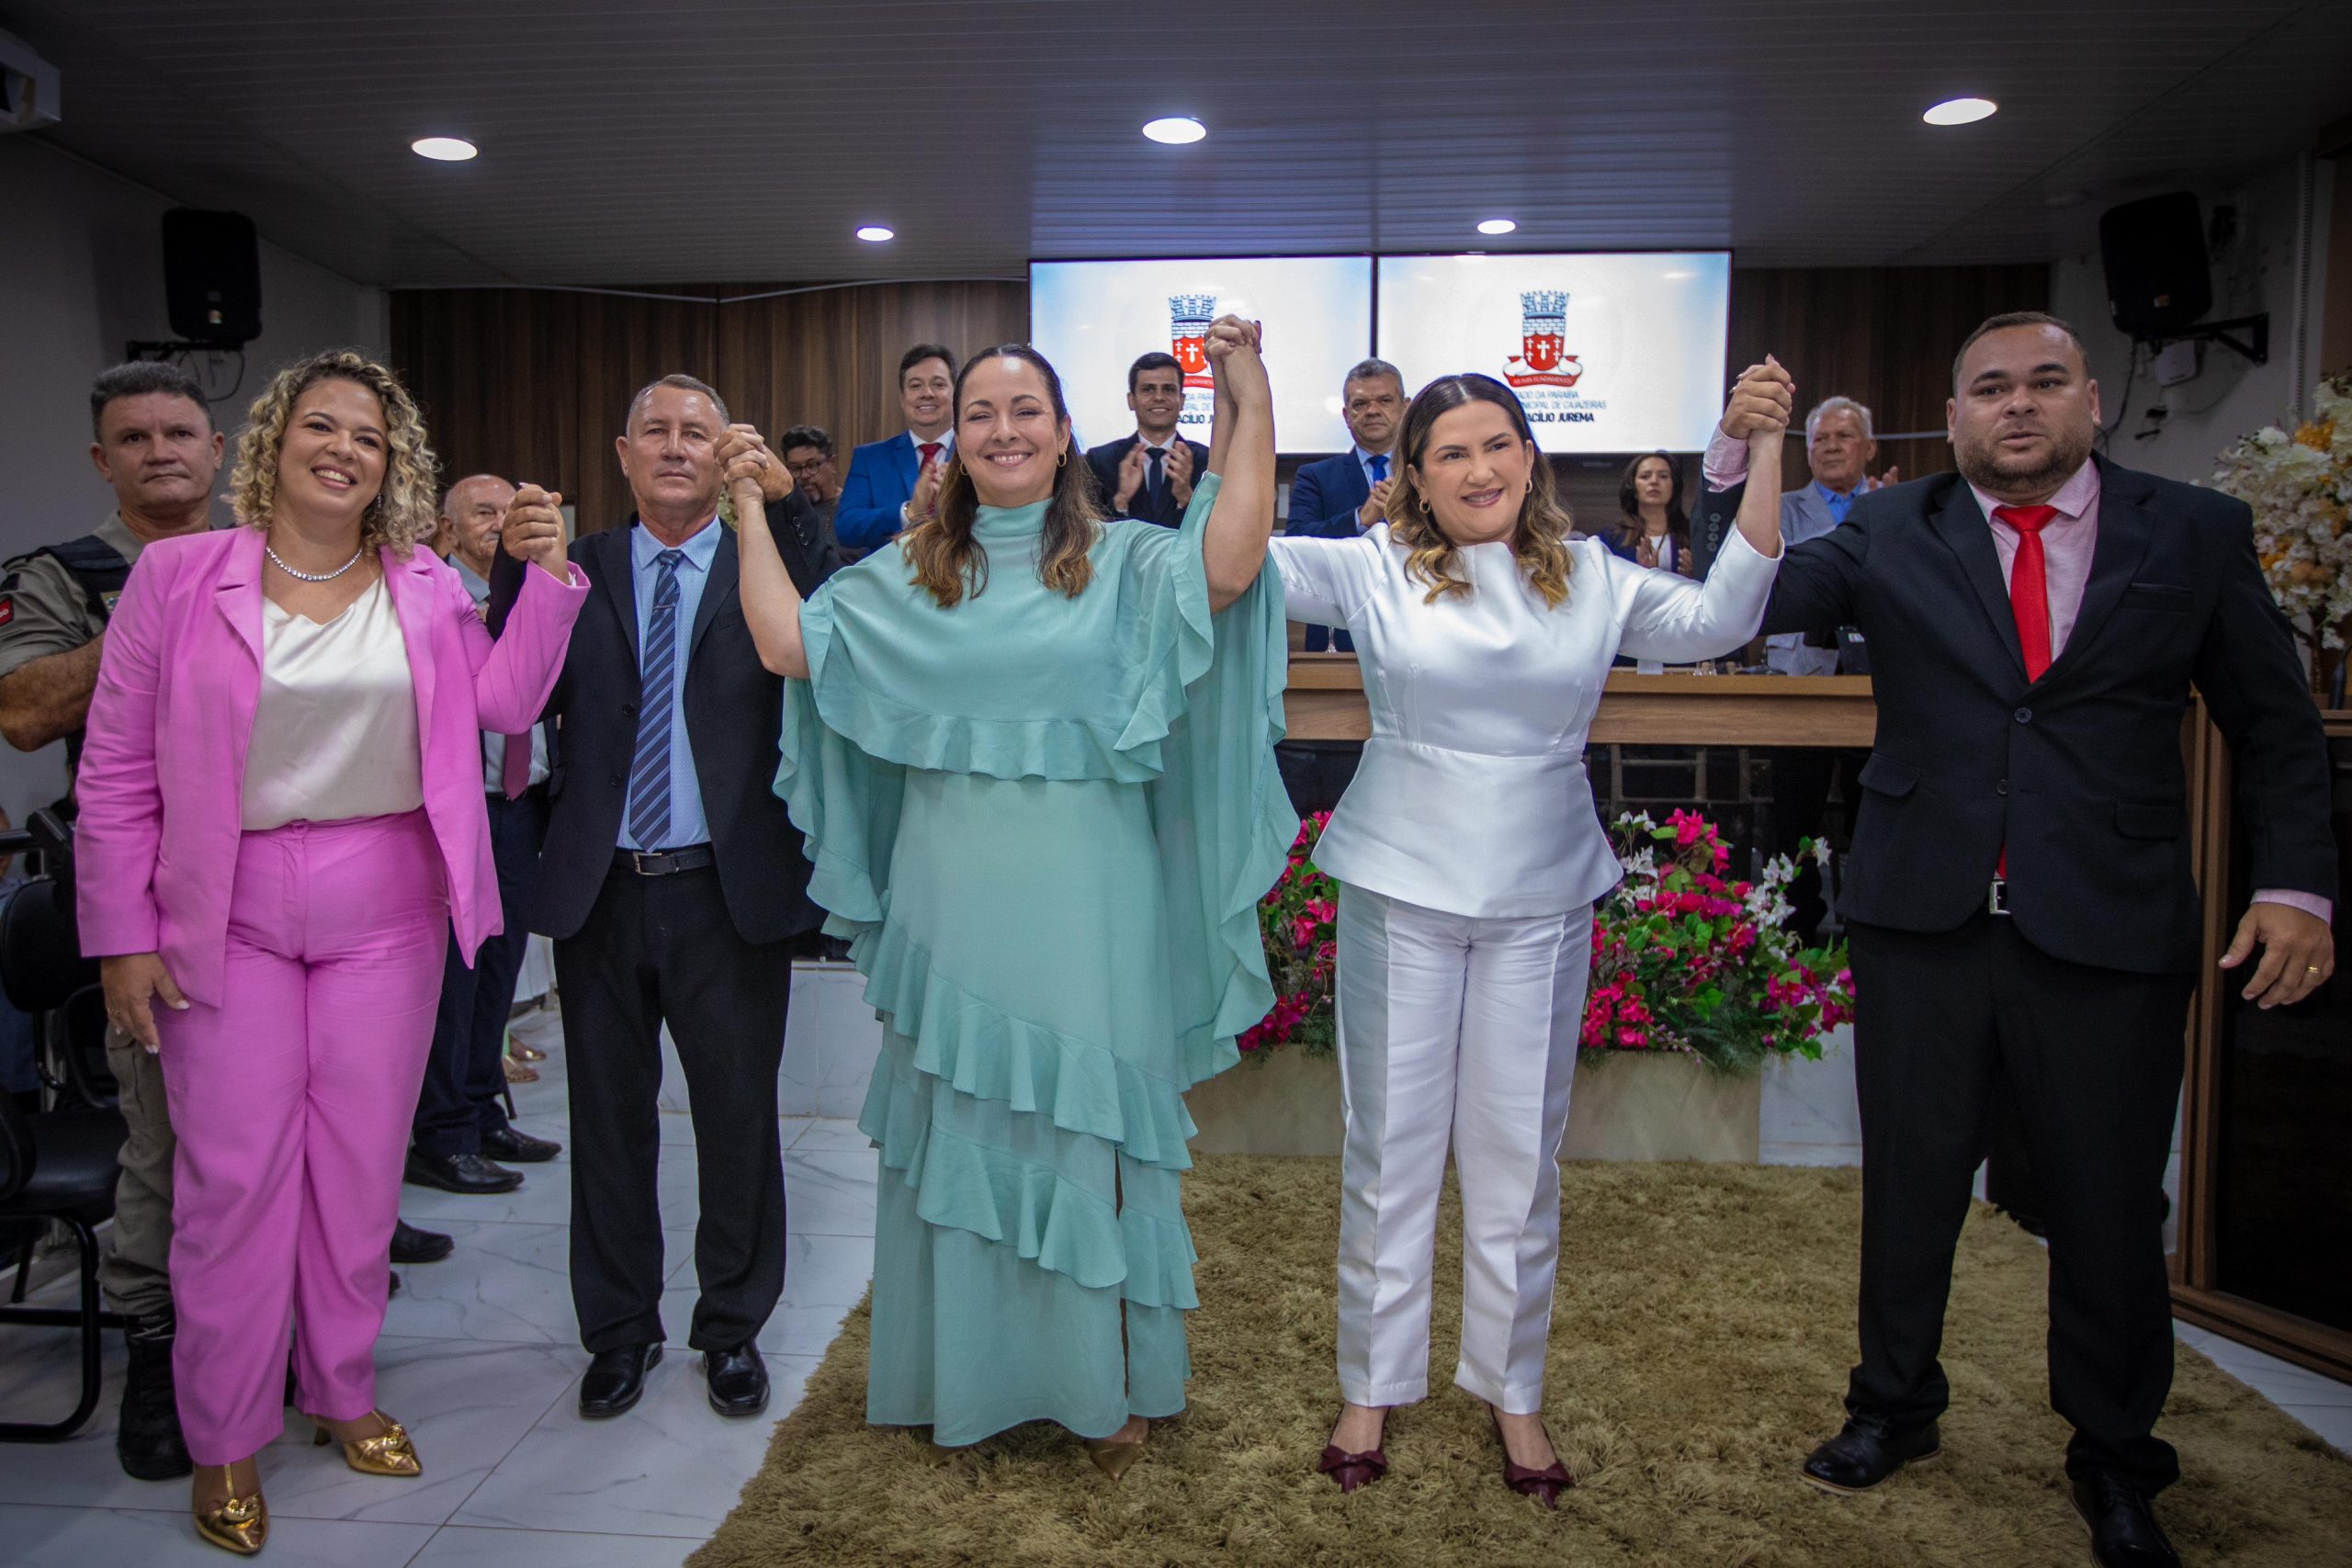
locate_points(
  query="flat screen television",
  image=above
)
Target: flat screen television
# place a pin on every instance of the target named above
(1619, 352)
(1093, 319)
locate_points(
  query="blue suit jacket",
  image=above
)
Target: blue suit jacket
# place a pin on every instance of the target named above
(1323, 501)
(881, 480)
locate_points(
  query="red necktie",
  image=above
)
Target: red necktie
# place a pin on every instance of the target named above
(2029, 584)
(514, 775)
(927, 451)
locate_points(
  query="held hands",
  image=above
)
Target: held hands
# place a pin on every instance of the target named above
(2298, 955)
(1376, 506)
(1762, 402)
(131, 982)
(534, 530)
(744, 458)
(1236, 351)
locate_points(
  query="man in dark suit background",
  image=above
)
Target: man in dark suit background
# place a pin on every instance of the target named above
(1343, 496)
(893, 483)
(2020, 896)
(673, 881)
(1150, 475)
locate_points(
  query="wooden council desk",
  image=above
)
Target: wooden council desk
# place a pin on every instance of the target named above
(1324, 700)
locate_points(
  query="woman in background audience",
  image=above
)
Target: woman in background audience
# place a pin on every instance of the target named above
(1652, 528)
(281, 817)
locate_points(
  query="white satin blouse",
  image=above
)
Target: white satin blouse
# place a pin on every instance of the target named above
(335, 730)
(1472, 796)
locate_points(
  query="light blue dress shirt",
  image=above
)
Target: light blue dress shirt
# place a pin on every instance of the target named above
(1838, 505)
(687, 825)
(493, 745)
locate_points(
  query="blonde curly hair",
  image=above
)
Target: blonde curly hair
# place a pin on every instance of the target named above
(1541, 541)
(404, 511)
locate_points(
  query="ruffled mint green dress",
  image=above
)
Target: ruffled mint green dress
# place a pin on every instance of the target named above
(1043, 823)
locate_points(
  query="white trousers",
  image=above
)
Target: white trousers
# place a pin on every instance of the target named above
(1456, 1028)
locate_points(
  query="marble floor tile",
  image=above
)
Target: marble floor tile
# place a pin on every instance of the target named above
(820, 1134)
(505, 1284)
(830, 1193)
(668, 1467)
(543, 1198)
(2332, 1422)
(1774, 1153)
(799, 1331)
(41, 1536)
(470, 1546)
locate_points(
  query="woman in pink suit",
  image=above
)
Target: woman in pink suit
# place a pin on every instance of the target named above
(281, 814)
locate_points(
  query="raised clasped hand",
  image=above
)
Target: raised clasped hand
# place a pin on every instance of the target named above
(1762, 402)
(533, 530)
(743, 456)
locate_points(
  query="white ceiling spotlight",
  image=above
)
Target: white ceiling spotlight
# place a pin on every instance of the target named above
(1497, 226)
(1175, 131)
(443, 149)
(873, 233)
(1961, 111)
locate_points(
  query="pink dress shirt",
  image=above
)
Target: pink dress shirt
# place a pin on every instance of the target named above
(2068, 543)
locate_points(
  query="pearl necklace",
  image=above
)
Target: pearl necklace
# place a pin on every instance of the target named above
(314, 576)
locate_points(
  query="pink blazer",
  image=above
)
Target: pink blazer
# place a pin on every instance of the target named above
(162, 783)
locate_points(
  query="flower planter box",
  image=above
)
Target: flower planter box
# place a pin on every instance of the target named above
(1287, 1104)
(1636, 1106)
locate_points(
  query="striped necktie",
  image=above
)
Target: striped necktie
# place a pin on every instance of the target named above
(648, 777)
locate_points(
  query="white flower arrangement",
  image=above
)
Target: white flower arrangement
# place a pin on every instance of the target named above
(2300, 486)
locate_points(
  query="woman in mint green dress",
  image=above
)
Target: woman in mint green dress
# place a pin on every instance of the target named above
(1031, 751)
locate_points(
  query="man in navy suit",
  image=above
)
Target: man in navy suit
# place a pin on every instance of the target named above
(893, 483)
(1341, 497)
(1150, 475)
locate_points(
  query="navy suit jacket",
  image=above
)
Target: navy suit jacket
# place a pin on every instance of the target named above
(1323, 501)
(881, 480)
(1105, 461)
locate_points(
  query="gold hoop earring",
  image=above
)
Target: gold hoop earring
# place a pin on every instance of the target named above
(1531, 485)
(1423, 503)
(1063, 459)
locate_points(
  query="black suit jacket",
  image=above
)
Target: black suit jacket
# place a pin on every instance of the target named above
(1105, 461)
(2079, 773)
(734, 712)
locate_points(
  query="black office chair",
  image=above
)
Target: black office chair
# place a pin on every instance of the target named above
(61, 1164)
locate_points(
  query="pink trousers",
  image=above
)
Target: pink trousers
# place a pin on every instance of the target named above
(292, 1101)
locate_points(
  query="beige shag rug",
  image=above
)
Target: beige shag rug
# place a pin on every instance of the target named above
(1703, 1328)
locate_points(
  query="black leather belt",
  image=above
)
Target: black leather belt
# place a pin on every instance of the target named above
(667, 862)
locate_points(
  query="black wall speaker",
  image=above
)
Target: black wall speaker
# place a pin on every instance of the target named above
(2154, 255)
(212, 276)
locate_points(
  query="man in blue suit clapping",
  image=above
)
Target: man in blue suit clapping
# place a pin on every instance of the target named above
(1341, 497)
(892, 483)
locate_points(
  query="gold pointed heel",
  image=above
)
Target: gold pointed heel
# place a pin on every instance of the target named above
(235, 1524)
(1113, 1458)
(389, 1453)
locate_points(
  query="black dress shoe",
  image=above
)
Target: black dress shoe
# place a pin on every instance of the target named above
(1867, 1452)
(616, 1380)
(518, 1148)
(147, 1439)
(468, 1174)
(738, 1380)
(2124, 1532)
(410, 1245)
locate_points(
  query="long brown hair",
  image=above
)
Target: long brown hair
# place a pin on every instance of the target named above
(1539, 543)
(949, 563)
(1632, 530)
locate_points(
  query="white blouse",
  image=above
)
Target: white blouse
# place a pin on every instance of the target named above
(1472, 796)
(334, 733)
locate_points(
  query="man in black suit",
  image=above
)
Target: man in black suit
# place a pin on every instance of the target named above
(1150, 475)
(672, 881)
(2019, 894)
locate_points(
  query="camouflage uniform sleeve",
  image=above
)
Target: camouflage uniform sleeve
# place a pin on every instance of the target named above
(43, 611)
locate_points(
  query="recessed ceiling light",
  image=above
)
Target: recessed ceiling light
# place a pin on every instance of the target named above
(1961, 111)
(1497, 226)
(1175, 131)
(442, 149)
(873, 233)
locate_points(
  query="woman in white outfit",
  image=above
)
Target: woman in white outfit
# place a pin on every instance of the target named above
(1469, 855)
